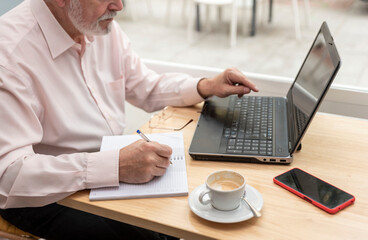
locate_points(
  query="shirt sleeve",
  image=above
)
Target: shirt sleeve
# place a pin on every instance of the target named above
(151, 91)
(28, 179)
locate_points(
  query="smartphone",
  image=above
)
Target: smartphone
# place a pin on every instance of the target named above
(314, 190)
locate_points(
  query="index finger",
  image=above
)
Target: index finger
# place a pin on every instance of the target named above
(235, 76)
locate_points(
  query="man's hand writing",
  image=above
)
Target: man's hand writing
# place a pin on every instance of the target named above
(141, 161)
(229, 82)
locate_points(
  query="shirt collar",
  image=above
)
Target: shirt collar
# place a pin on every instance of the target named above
(56, 37)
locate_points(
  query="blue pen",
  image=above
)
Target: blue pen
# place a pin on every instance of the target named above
(145, 138)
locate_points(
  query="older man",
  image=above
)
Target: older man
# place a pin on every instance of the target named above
(66, 69)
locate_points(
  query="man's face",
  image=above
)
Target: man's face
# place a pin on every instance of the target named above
(93, 17)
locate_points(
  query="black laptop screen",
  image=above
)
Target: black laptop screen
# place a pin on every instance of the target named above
(311, 83)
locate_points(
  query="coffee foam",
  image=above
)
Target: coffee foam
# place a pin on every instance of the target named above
(225, 185)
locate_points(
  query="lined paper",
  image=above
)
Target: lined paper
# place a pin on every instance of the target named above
(173, 183)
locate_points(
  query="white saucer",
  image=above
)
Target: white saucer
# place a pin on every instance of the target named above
(242, 213)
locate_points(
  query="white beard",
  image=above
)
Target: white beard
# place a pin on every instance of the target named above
(75, 13)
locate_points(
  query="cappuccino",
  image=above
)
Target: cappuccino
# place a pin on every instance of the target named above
(225, 185)
(224, 190)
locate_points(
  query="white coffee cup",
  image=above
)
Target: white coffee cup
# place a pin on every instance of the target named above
(225, 190)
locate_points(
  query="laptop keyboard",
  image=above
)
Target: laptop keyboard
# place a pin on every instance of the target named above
(249, 126)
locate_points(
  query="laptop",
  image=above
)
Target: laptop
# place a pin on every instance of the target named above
(267, 129)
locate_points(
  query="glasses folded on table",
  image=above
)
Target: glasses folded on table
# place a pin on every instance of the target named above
(164, 120)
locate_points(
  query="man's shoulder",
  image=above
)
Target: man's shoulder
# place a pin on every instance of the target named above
(15, 28)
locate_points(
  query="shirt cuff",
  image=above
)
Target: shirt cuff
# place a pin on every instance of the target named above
(189, 91)
(103, 169)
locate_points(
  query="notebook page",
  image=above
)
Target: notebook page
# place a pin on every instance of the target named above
(172, 183)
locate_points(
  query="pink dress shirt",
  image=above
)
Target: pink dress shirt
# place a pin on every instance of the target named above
(58, 98)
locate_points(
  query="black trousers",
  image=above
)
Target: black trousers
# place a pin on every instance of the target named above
(54, 222)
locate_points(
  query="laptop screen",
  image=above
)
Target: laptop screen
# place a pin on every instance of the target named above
(316, 73)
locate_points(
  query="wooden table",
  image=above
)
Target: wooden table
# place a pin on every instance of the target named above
(335, 149)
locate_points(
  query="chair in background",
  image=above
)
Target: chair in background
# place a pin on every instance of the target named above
(9, 231)
(233, 4)
(295, 6)
(297, 18)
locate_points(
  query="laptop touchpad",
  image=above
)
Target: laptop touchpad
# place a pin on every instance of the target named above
(211, 125)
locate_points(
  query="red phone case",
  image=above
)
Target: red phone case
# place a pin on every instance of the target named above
(329, 210)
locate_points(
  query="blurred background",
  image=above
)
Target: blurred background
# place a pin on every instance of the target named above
(158, 30)
(274, 49)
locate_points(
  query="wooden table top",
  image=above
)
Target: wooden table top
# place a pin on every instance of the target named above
(334, 149)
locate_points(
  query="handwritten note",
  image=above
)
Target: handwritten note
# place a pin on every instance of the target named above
(173, 183)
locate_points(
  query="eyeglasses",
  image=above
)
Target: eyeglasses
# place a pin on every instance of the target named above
(163, 120)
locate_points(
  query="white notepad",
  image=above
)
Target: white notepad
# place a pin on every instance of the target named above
(172, 183)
